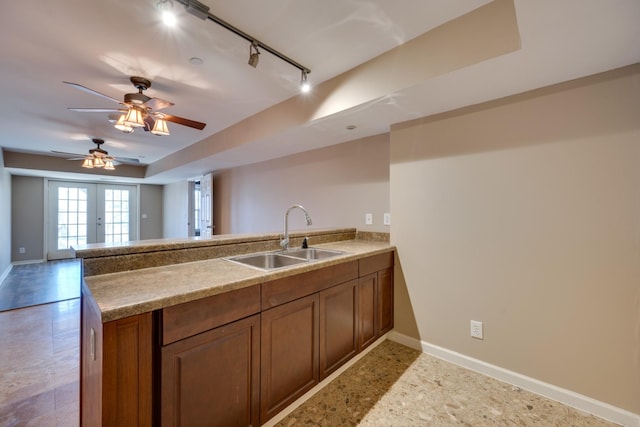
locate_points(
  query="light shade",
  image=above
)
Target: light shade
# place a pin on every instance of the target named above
(88, 162)
(97, 162)
(134, 118)
(160, 128)
(121, 126)
(108, 163)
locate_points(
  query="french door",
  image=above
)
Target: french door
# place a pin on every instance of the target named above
(82, 213)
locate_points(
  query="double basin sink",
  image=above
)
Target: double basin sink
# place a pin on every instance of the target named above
(280, 259)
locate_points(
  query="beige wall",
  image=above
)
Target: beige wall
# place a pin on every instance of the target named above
(175, 204)
(337, 185)
(524, 214)
(27, 218)
(151, 223)
(5, 218)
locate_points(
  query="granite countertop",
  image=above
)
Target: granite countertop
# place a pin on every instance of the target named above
(141, 246)
(128, 293)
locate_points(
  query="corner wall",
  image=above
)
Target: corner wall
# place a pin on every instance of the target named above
(337, 185)
(175, 207)
(5, 220)
(524, 213)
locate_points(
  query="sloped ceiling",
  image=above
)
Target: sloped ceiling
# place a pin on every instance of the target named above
(373, 62)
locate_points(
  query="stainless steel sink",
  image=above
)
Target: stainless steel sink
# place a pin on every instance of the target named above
(267, 261)
(274, 260)
(311, 254)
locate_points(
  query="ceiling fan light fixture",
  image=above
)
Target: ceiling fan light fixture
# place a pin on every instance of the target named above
(88, 162)
(120, 125)
(97, 162)
(134, 117)
(108, 163)
(160, 128)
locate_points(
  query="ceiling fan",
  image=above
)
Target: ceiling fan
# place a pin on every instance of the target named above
(99, 158)
(138, 110)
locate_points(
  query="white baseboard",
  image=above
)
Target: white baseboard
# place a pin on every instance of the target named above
(30, 261)
(5, 273)
(564, 396)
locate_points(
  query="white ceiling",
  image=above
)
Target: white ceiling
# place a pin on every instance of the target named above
(99, 44)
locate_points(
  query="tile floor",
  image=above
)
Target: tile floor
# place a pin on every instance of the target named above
(40, 283)
(39, 365)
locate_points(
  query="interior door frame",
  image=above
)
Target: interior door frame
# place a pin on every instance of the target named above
(46, 182)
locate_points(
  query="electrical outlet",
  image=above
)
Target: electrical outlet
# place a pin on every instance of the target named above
(368, 219)
(21, 250)
(476, 330)
(386, 219)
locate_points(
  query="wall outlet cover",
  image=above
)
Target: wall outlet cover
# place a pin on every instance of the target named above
(368, 219)
(477, 330)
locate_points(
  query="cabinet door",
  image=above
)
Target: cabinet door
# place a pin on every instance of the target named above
(289, 354)
(385, 301)
(368, 312)
(338, 326)
(212, 379)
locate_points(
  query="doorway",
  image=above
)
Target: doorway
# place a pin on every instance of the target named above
(83, 213)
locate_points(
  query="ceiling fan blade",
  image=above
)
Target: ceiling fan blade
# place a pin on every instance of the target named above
(184, 122)
(98, 110)
(86, 89)
(158, 104)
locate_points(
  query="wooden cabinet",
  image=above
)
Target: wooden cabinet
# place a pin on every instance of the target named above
(338, 326)
(290, 358)
(211, 379)
(210, 361)
(375, 298)
(116, 368)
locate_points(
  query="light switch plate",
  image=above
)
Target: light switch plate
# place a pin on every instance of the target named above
(386, 219)
(368, 219)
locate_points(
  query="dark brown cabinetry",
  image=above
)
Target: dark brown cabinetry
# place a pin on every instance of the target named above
(210, 362)
(375, 298)
(236, 358)
(211, 379)
(338, 326)
(115, 368)
(289, 353)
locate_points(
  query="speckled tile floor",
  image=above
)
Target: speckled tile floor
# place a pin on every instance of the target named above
(395, 385)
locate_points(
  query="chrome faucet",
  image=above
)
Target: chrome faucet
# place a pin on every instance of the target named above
(284, 243)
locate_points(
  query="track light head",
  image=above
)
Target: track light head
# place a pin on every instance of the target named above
(254, 54)
(304, 84)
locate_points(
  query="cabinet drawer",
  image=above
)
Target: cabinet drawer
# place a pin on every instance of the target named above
(375, 263)
(191, 318)
(290, 288)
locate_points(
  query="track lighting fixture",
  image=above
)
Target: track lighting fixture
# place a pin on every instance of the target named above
(304, 84)
(166, 10)
(254, 54)
(201, 11)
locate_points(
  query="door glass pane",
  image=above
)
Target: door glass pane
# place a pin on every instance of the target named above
(116, 216)
(71, 231)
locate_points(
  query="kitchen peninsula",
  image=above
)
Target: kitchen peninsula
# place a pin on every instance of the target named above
(174, 334)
